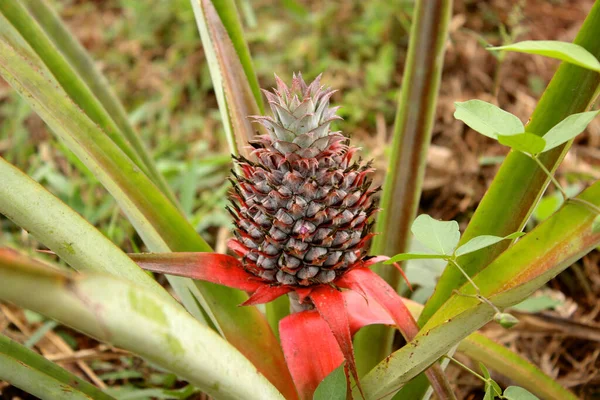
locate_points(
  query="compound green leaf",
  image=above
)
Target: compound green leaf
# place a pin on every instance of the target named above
(483, 241)
(487, 119)
(509, 279)
(439, 236)
(525, 142)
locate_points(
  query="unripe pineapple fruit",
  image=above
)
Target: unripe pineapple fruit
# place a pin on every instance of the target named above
(301, 207)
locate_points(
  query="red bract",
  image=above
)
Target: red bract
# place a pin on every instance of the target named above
(317, 340)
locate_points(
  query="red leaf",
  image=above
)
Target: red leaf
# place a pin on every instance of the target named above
(367, 281)
(265, 294)
(330, 304)
(310, 349)
(211, 267)
(362, 312)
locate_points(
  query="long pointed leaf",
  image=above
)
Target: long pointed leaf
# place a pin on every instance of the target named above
(230, 18)
(310, 350)
(31, 372)
(134, 319)
(65, 232)
(217, 268)
(238, 95)
(162, 227)
(375, 288)
(330, 304)
(235, 98)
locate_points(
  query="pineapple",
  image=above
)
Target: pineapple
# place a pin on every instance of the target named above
(302, 208)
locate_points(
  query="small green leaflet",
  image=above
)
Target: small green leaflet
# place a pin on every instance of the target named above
(439, 236)
(487, 119)
(480, 242)
(518, 393)
(412, 256)
(564, 51)
(492, 389)
(568, 128)
(596, 224)
(525, 142)
(333, 387)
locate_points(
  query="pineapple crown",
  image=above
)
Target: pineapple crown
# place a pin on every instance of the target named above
(301, 117)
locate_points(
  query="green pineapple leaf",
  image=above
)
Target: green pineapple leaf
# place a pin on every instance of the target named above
(27, 370)
(439, 236)
(568, 128)
(569, 52)
(488, 119)
(525, 142)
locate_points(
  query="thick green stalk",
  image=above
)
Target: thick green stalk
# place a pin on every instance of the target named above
(519, 184)
(412, 135)
(80, 60)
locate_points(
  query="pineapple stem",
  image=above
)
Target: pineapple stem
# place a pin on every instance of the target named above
(296, 306)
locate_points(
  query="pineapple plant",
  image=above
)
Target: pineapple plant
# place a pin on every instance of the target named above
(302, 211)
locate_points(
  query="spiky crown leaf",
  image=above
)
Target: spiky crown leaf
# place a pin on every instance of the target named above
(301, 117)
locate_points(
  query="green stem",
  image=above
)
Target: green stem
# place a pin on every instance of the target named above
(566, 197)
(453, 262)
(412, 135)
(595, 209)
(551, 176)
(463, 366)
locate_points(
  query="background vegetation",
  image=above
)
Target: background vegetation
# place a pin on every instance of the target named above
(152, 55)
